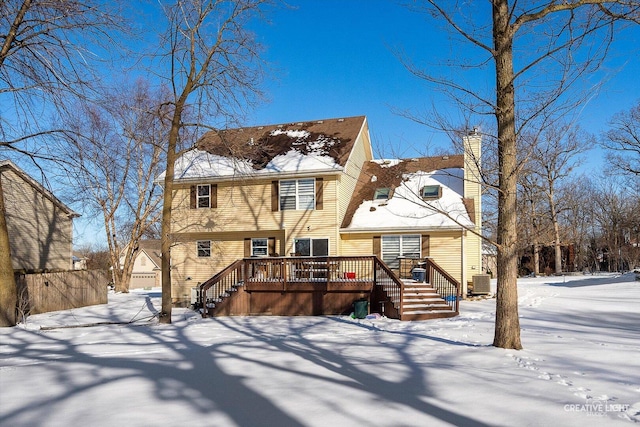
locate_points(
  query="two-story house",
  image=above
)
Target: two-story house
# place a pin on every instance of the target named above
(313, 189)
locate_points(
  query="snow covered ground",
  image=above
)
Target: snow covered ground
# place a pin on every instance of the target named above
(580, 365)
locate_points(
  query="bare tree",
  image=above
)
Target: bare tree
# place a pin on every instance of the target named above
(115, 151)
(212, 66)
(579, 197)
(97, 257)
(555, 156)
(623, 141)
(611, 208)
(531, 221)
(45, 55)
(530, 46)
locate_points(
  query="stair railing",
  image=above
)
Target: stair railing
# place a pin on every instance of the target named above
(391, 284)
(448, 287)
(223, 282)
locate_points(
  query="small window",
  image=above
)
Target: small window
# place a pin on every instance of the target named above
(204, 248)
(143, 261)
(259, 247)
(382, 193)
(204, 196)
(431, 192)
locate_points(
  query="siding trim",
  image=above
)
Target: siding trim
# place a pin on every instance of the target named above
(377, 246)
(425, 245)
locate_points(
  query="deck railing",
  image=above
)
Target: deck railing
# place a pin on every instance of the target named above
(222, 283)
(390, 283)
(285, 270)
(328, 274)
(444, 283)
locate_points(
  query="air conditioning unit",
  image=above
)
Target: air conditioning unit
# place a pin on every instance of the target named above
(481, 284)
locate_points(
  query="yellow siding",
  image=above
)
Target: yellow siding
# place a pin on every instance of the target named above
(473, 190)
(474, 255)
(445, 249)
(186, 264)
(40, 232)
(357, 244)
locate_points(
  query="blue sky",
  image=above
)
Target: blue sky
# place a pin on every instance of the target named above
(336, 58)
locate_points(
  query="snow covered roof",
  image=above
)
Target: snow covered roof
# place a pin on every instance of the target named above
(313, 146)
(406, 209)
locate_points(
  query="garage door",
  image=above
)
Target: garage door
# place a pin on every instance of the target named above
(142, 280)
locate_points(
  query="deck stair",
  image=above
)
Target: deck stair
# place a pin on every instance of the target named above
(422, 301)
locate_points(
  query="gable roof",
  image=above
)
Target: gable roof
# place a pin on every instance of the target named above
(9, 165)
(405, 210)
(152, 247)
(312, 146)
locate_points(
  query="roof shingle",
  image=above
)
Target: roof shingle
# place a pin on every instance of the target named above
(260, 144)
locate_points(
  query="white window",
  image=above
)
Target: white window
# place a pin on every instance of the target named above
(297, 194)
(203, 196)
(259, 247)
(203, 248)
(393, 247)
(311, 247)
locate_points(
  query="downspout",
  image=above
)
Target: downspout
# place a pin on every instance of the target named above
(463, 259)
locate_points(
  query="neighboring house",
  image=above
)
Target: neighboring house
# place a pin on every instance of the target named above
(40, 226)
(79, 262)
(314, 189)
(147, 265)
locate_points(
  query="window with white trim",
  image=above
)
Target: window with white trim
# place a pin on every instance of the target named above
(394, 247)
(203, 196)
(203, 248)
(259, 247)
(298, 194)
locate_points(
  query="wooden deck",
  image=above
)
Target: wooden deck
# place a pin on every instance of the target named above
(289, 286)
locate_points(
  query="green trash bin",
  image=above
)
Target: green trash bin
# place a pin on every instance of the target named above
(360, 309)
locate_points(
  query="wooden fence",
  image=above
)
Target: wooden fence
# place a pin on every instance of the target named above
(45, 292)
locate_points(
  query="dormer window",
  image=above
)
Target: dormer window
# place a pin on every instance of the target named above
(431, 192)
(382, 193)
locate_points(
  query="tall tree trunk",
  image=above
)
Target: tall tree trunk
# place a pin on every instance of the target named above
(165, 239)
(507, 330)
(167, 202)
(8, 290)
